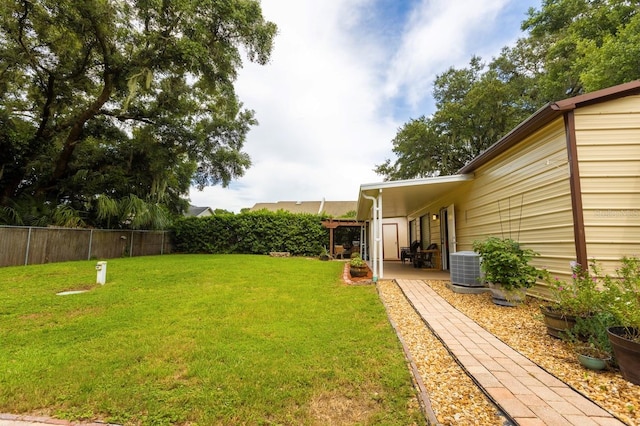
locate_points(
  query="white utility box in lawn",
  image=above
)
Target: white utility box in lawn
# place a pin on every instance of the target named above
(101, 267)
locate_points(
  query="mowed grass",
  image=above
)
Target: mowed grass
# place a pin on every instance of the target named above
(200, 340)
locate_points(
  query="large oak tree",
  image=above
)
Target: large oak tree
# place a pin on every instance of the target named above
(122, 100)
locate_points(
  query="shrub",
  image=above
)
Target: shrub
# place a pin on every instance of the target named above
(623, 293)
(504, 262)
(357, 262)
(593, 330)
(599, 301)
(252, 233)
(582, 296)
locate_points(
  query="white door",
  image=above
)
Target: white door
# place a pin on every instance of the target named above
(447, 234)
(390, 249)
(451, 231)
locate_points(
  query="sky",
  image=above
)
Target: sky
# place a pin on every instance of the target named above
(343, 77)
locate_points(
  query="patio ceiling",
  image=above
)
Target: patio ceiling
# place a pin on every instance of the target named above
(404, 197)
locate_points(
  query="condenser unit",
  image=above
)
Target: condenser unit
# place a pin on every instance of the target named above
(465, 269)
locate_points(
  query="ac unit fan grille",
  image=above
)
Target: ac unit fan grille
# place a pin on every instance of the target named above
(465, 269)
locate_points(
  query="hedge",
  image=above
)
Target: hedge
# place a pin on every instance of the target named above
(258, 232)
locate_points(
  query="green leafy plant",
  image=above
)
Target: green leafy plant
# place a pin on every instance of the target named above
(589, 335)
(357, 262)
(504, 262)
(598, 300)
(582, 296)
(325, 255)
(623, 294)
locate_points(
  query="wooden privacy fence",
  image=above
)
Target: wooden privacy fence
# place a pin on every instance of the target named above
(31, 245)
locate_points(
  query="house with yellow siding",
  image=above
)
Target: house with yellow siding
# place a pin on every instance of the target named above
(565, 183)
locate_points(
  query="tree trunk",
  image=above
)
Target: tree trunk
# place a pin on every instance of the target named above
(62, 163)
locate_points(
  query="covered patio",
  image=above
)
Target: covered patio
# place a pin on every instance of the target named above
(405, 198)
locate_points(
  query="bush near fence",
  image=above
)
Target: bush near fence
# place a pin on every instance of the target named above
(32, 245)
(258, 232)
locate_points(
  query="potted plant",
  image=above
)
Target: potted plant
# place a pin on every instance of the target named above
(579, 298)
(590, 340)
(506, 268)
(592, 358)
(625, 341)
(624, 298)
(325, 255)
(358, 267)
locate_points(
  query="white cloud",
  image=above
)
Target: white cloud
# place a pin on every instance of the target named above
(326, 102)
(438, 35)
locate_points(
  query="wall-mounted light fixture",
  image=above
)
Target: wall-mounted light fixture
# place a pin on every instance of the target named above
(434, 217)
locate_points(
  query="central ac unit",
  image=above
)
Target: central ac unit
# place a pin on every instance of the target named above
(465, 269)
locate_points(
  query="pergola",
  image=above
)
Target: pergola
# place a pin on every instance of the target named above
(332, 224)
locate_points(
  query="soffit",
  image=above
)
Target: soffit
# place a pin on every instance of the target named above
(401, 198)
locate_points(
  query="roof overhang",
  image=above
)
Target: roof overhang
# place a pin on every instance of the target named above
(401, 198)
(546, 115)
(404, 197)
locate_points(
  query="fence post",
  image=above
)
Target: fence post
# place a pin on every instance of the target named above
(90, 242)
(26, 254)
(162, 245)
(131, 245)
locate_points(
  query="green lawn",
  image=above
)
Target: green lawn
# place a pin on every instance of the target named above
(200, 340)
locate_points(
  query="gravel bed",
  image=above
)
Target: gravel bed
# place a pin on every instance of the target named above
(454, 397)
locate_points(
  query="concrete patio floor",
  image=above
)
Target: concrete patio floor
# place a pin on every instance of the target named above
(395, 269)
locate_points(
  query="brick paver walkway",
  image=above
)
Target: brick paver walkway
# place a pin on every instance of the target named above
(529, 395)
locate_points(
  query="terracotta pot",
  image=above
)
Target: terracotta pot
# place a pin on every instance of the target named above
(503, 297)
(626, 349)
(557, 322)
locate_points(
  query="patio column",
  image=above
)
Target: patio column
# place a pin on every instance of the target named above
(380, 242)
(376, 210)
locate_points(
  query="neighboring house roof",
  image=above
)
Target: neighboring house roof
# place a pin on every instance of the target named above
(199, 211)
(331, 208)
(401, 198)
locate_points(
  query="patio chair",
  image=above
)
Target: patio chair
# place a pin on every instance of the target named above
(427, 258)
(409, 252)
(338, 251)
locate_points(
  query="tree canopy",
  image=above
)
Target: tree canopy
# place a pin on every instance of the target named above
(111, 109)
(571, 47)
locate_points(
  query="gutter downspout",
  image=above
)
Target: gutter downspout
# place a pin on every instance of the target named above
(377, 235)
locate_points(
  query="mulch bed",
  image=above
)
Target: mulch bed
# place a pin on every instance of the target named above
(367, 279)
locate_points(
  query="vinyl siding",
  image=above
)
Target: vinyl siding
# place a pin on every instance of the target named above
(523, 194)
(608, 141)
